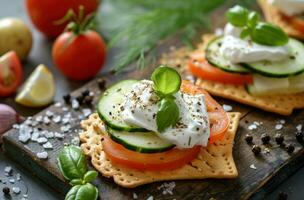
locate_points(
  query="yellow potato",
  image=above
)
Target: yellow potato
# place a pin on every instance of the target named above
(15, 35)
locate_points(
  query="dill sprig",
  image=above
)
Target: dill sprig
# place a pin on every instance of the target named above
(138, 25)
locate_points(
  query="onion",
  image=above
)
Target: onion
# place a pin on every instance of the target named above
(8, 117)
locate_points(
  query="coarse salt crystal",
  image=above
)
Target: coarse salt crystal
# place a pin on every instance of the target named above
(16, 190)
(12, 181)
(252, 127)
(65, 128)
(282, 121)
(42, 140)
(150, 198)
(58, 135)
(135, 195)
(252, 166)
(39, 118)
(57, 119)
(46, 120)
(58, 104)
(86, 112)
(42, 155)
(278, 126)
(75, 141)
(299, 127)
(227, 108)
(75, 104)
(8, 170)
(49, 134)
(47, 145)
(18, 177)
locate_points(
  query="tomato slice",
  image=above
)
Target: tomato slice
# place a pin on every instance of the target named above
(295, 21)
(11, 73)
(218, 118)
(200, 67)
(168, 160)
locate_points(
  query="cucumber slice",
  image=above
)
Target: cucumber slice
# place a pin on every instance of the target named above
(109, 106)
(216, 59)
(292, 66)
(143, 142)
(265, 86)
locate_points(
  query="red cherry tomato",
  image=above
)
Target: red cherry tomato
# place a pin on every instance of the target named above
(79, 57)
(11, 73)
(44, 13)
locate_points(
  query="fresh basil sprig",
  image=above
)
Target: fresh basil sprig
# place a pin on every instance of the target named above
(72, 164)
(260, 32)
(167, 82)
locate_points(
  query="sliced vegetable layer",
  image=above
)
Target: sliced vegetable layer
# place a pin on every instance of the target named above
(110, 106)
(292, 66)
(143, 142)
(169, 160)
(214, 57)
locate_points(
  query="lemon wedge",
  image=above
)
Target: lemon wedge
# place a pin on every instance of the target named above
(39, 89)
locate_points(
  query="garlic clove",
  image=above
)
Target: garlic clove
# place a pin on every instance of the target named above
(8, 117)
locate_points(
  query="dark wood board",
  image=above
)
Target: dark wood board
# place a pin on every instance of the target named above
(271, 170)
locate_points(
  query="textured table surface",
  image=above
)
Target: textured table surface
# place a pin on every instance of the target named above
(35, 189)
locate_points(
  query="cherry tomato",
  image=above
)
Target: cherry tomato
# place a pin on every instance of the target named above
(44, 13)
(168, 160)
(218, 118)
(79, 56)
(202, 69)
(11, 73)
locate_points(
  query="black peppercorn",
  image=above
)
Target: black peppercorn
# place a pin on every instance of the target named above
(101, 83)
(6, 191)
(282, 196)
(88, 100)
(248, 138)
(279, 138)
(80, 99)
(299, 137)
(256, 149)
(290, 148)
(265, 138)
(85, 93)
(67, 98)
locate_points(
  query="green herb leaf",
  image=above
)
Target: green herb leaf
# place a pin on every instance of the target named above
(167, 81)
(269, 34)
(72, 163)
(82, 192)
(237, 16)
(167, 115)
(76, 182)
(245, 32)
(253, 19)
(90, 176)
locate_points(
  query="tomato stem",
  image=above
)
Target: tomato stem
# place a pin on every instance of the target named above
(78, 23)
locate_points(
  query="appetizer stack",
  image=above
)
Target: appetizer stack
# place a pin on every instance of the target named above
(160, 129)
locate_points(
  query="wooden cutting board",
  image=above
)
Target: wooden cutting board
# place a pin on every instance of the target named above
(271, 168)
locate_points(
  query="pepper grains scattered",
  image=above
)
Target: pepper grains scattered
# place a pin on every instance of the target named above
(290, 148)
(279, 138)
(101, 83)
(299, 136)
(67, 98)
(248, 139)
(256, 149)
(265, 138)
(6, 191)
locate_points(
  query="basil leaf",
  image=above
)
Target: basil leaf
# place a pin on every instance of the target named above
(72, 163)
(268, 34)
(90, 176)
(253, 19)
(82, 192)
(76, 182)
(237, 16)
(166, 80)
(245, 32)
(167, 115)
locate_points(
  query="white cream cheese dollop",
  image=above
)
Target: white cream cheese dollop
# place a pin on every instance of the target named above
(238, 50)
(289, 7)
(140, 108)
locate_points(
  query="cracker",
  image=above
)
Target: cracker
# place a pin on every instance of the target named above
(215, 161)
(273, 15)
(281, 104)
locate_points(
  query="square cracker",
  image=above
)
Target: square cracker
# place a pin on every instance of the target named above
(215, 161)
(281, 104)
(273, 15)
